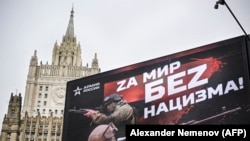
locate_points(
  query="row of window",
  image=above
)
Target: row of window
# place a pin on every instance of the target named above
(39, 103)
(40, 136)
(31, 136)
(40, 95)
(55, 112)
(45, 127)
(41, 88)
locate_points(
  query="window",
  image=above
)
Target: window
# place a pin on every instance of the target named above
(47, 88)
(39, 95)
(27, 135)
(46, 95)
(45, 103)
(45, 136)
(8, 135)
(58, 135)
(41, 88)
(38, 103)
(32, 136)
(40, 127)
(53, 127)
(12, 113)
(58, 127)
(40, 135)
(53, 136)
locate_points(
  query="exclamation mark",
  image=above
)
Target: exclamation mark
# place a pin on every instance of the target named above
(241, 82)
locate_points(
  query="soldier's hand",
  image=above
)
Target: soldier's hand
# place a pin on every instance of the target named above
(89, 113)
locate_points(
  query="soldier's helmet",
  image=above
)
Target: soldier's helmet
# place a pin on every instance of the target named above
(112, 98)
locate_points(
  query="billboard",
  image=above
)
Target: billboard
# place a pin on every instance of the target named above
(205, 85)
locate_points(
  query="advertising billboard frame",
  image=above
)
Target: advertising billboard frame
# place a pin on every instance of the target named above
(209, 77)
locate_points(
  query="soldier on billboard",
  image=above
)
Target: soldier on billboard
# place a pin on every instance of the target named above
(118, 111)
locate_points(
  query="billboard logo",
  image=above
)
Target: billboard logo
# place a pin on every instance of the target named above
(87, 88)
(77, 91)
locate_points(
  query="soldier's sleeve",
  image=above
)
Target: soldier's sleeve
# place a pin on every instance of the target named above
(123, 114)
(100, 118)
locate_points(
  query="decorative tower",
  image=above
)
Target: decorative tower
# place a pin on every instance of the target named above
(12, 122)
(46, 84)
(69, 52)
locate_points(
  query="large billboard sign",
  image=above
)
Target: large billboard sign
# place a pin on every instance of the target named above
(204, 85)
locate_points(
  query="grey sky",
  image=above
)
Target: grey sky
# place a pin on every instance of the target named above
(121, 32)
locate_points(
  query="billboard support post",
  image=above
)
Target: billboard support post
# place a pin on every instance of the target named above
(223, 2)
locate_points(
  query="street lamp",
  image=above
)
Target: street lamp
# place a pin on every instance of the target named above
(223, 2)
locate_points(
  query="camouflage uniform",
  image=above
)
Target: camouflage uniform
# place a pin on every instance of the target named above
(122, 115)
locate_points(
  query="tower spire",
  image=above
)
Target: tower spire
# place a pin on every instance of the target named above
(70, 29)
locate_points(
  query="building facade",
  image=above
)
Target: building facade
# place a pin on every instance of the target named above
(40, 117)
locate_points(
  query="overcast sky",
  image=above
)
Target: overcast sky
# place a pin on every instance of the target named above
(121, 32)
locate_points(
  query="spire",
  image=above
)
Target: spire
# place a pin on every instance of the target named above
(95, 62)
(33, 60)
(70, 29)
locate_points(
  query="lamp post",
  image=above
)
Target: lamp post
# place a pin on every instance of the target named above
(223, 2)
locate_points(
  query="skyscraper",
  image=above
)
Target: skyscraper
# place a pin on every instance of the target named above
(41, 116)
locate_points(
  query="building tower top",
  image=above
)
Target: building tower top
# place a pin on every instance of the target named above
(70, 29)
